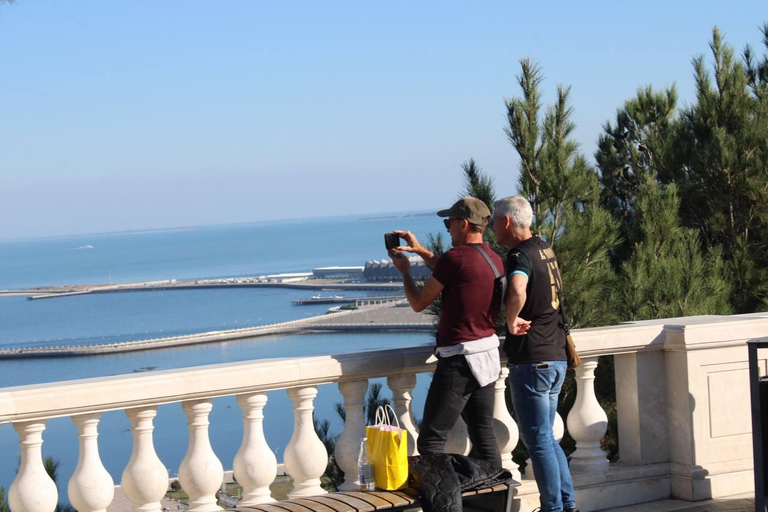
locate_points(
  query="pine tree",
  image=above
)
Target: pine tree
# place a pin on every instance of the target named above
(564, 193)
(725, 179)
(668, 274)
(639, 147)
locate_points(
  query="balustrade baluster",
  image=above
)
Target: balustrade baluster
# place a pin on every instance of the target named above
(587, 422)
(348, 444)
(255, 465)
(200, 473)
(401, 386)
(505, 428)
(91, 488)
(558, 431)
(145, 479)
(32, 490)
(458, 438)
(305, 456)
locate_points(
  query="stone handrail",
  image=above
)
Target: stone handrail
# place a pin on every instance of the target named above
(680, 404)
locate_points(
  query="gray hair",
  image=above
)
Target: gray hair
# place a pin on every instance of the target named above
(516, 208)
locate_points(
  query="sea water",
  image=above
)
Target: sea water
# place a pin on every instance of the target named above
(208, 252)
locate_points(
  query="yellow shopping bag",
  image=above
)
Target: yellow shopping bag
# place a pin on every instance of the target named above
(388, 451)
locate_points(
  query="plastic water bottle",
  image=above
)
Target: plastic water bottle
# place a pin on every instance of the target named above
(364, 468)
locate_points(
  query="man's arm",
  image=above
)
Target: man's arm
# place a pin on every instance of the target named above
(418, 298)
(516, 295)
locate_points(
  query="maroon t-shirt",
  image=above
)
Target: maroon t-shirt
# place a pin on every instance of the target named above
(469, 307)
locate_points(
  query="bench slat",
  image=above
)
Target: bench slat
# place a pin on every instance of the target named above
(266, 507)
(340, 503)
(294, 506)
(375, 499)
(396, 498)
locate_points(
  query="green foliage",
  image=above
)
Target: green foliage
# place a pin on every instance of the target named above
(51, 466)
(554, 176)
(4, 507)
(564, 192)
(333, 475)
(638, 148)
(724, 145)
(668, 274)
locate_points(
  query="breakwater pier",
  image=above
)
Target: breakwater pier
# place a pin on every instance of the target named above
(380, 317)
(51, 292)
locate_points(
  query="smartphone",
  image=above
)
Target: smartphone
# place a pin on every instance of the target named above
(391, 240)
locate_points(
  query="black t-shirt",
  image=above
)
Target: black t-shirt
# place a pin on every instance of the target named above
(545, 340)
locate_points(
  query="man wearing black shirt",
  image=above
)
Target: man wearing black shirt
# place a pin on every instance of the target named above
(535, 347)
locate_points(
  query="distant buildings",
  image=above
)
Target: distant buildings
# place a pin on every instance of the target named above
(355, 273)
(384, 270)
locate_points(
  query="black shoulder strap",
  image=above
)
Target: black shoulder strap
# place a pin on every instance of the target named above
(488, 259)
(560, 296)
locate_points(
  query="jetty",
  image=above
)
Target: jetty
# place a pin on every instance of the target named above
(52, 292)
(381, 317)
(357, 301)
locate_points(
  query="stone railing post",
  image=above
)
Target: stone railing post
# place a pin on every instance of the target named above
(32, 490)
(458, 439)
(305, 456)
(401, 386)
(641, 407)
(348, 445)
(145, 479)
(558, 431)
(505, 428)
(255, 465)
(587, 422)
(90, 489)
(200, 473)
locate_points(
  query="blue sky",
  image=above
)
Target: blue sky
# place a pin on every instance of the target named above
(138, 114)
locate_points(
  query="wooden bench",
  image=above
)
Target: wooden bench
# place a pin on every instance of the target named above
(497, 499)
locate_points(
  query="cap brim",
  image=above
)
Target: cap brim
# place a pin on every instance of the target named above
(444, 213)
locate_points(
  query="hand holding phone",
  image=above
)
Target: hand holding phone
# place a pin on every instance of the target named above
(391, 240)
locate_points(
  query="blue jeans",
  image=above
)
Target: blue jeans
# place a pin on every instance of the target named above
(535, 388)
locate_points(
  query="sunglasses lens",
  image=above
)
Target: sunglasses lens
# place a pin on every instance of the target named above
(447, 223)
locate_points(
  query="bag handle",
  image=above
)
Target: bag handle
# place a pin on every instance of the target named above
(397, 422)
(382, 416)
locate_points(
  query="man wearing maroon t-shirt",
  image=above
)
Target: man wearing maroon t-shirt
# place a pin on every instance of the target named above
(467, 346)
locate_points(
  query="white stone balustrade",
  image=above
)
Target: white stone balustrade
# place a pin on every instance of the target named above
(401, 386)
(305, 456)
(90, 489)
(200, 473)
(255, 465)
(32, 490)
(348, 445)
(145, 478)
(587, 422)
(505, 428)
(682, 404)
